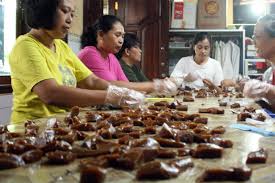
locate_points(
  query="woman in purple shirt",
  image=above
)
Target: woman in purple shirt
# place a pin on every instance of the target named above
(100, 43)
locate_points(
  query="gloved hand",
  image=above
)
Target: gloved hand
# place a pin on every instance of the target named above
(256, 89)
(191, 76)
(164, 86)
(179, 81)
(123, 96)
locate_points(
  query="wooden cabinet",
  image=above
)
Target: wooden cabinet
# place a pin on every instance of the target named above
(150, 21)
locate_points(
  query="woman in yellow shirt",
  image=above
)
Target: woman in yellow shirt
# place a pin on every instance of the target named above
(47, 77)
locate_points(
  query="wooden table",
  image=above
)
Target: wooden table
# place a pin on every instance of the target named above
(244, 142)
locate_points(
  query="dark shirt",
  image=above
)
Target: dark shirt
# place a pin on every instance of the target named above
(133, 73)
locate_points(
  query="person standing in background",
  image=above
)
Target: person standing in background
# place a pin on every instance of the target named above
(128, 56)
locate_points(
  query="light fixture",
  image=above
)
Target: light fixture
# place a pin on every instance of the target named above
(116, 5)
(259, 7)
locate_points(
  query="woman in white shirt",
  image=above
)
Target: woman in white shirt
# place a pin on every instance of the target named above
(199, 69)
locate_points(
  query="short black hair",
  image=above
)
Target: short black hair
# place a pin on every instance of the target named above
(41, 13)
(269, 24)
(130, 41)
(199, 37)
(104, 24)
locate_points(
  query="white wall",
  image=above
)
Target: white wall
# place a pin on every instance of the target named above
(74, 42)
(5, 108)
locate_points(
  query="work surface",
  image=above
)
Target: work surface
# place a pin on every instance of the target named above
(244, 142)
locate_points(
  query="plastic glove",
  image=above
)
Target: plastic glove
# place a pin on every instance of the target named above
(123, 96)
(179, 81)
(256, 89)
(191, 77)
(165, 86)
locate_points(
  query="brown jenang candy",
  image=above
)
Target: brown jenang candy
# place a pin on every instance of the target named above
(243, 115)
(229, 174)
(83, 127)
(80, 135)
(257, 156)
(188, 99)
(161, 103)
(125, 140)
(3, 129)
(150, 130)
(186, 136)
(201, 129)
(32, 156)
(260, 117)
(138, 123)
(147, 142)
(207, 151)
(222, 103)
(216, 110)
(156, 170)
(92, 117)
(135, 134)
(182, 164)
(56, 145)
(60, 131)
(74, 111)
(60, 157)
(92, 174)
(211, 110)
(235, 105)
(218, 130)
(203, 110)
(70, 138)
(166, 153)
(8, 161)
(107, 133)
(166, 132)
(169, 143)
(249, 109)
(182, 107)
(18, 148)
(201, 120)
(183, 152)
(221, 142)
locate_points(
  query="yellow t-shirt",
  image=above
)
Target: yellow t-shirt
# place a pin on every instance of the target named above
(32, 62)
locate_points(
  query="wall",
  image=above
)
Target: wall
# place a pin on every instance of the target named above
(74, 42)
(5, 108)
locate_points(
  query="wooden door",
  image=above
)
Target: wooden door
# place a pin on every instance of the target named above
(149, 19)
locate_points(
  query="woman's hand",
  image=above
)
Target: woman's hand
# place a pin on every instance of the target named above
(191, 77)
(209, 84)
(165, 86)
(123, 96)
(256, 89)
(228, 83)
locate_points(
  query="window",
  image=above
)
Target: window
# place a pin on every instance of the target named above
(7, 33)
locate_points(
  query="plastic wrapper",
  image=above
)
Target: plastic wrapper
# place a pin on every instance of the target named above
(123, 96)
